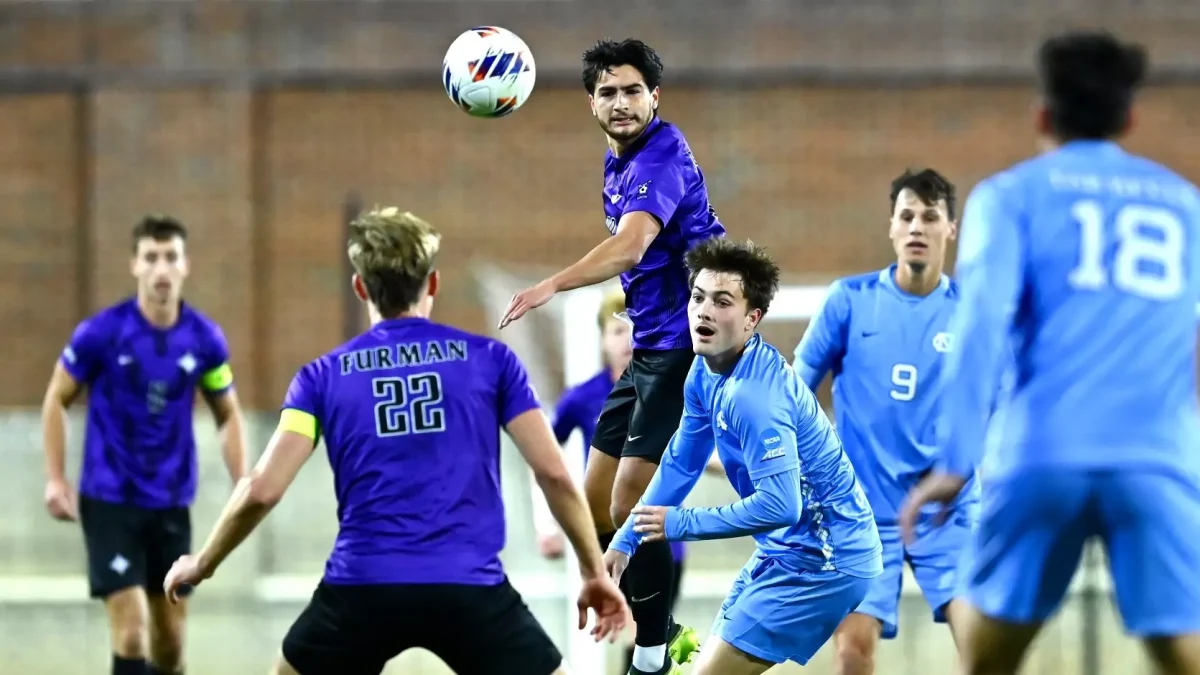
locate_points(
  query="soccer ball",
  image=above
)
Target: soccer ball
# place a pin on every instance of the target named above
(488, 72)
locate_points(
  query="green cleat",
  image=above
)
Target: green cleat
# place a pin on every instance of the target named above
(682, 644)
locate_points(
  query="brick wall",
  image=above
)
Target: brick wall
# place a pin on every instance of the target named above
(261, 180)
(260, 172)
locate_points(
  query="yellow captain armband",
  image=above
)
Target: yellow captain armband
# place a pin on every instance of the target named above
(299, 422)
(217, 379)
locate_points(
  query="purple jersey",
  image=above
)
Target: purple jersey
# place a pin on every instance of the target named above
(411, 413)
(579, 408)
(138, 446)
(657, 174)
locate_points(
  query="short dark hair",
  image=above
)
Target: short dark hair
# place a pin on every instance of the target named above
(394, 253)
(929, 185)
(159, 228)
(1088, 80)
(760, 274)
(605, 55)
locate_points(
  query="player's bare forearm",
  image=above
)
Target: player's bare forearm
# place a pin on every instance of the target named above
(242, 513)
(571, 511)
(608, 260)
(60, 392)
(231, 428)
(255, 495)
(613, 256)
(535, 441)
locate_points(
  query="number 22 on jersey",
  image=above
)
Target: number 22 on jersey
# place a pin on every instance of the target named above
(408, 405)
(1149, 258)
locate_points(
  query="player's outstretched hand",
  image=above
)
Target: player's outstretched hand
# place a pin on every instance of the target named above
(60, 500)
(530, 298)
(601, 595)
(650, 522)
(184, 575)
(936, 488)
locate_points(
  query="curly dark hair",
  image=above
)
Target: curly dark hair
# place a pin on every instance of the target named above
(760, 274)
(608, 54)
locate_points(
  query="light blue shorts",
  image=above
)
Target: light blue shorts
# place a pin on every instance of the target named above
(936, 560)
(777, 612)
(1033, 527)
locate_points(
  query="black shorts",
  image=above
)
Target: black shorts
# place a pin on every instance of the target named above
(130, 545)
(645, 405)
(476, 630)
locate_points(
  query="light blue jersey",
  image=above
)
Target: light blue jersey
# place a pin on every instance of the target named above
(1090, 258)
(815, 533)
(886, 350)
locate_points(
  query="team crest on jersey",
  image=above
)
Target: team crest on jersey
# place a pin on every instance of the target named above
(187, 362)
(943, 342)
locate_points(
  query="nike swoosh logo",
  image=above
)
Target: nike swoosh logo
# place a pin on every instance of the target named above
(632, 439)
(633, 599)
(869, 333)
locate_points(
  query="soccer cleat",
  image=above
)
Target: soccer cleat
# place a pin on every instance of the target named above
(682, 643)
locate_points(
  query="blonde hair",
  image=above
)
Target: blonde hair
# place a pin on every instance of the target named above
(613, 304)
(394, 254)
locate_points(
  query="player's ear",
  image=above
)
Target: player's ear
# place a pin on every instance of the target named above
(654, 99)
(754, 318)
(592, 104)
(1041, 119)
(1130, 121)
(360, 289)
(953, 230)
(434, 279)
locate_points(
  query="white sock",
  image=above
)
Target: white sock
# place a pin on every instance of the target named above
(649, 659)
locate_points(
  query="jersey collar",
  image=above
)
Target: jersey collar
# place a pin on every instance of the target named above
(751, 344)
(636, 146)
(887, 277)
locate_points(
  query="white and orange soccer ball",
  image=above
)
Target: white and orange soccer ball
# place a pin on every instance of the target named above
(488, 72)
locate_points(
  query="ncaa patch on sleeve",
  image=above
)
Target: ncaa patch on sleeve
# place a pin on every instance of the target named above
(772, 442)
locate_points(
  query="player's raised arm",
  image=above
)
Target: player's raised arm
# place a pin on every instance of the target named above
(767, 435)
(617, 254)
(216, 384)
(824, 343)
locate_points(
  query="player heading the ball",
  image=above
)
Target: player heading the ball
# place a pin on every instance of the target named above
(656, 209)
